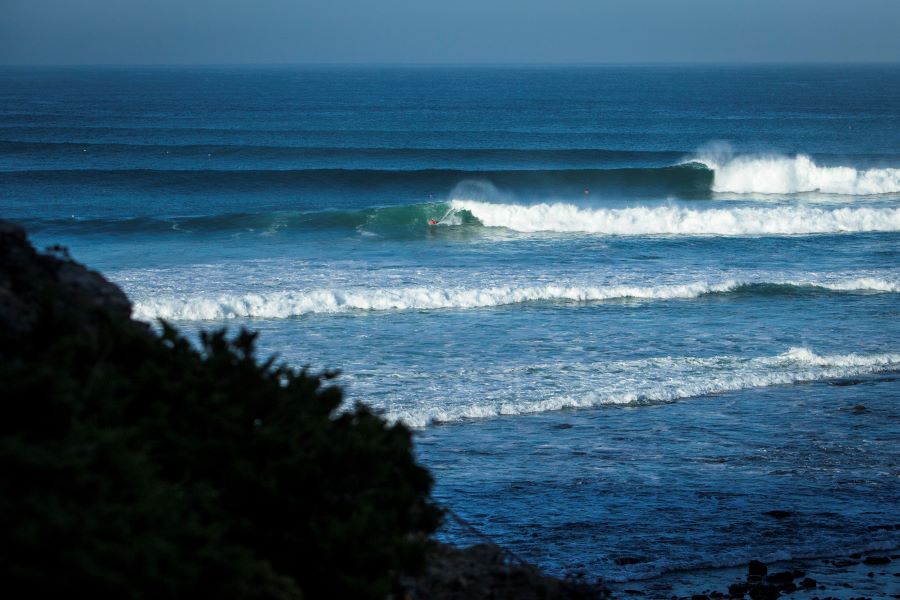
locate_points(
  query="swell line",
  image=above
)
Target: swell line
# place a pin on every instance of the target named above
(287, 304)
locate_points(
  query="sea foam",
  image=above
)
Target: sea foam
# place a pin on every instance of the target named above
(675, 220)
(652, 381)
(285, 304)
(791, 175)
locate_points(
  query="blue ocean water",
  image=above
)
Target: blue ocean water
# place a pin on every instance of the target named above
(651, 302)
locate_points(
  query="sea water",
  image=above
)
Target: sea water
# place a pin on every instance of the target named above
(651, 307)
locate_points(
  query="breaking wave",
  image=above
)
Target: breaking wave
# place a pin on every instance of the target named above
(675, 220)
(653, 381)
(286, 304)
(798, 174)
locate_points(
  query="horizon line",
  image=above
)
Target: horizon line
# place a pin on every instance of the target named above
(462, 64)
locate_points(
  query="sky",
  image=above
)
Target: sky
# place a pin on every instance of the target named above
(448, 31)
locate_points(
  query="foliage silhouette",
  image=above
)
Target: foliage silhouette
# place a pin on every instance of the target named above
(134, 465)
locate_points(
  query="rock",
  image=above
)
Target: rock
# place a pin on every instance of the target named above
(780, 578)
(859, 408)
(31, 281)
(845, 563)
(845, 382)
(699, 597)
(808, 583)
(737, 590)
(757, 569)
(628, 560)
(779, 514)
(876, 560)
(483, 572)
(764, 592)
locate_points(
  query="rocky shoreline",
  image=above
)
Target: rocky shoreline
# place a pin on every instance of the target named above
(485, 571)
(870, 576)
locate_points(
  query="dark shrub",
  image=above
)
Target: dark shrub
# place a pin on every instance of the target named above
(134, 465)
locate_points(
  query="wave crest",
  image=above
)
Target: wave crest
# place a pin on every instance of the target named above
(286, 304)
(798, 174)
(674, 220)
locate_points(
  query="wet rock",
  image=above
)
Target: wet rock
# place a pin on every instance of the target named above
(757, 569)
(845, 563)
(780, 578)
(628, 560)
(808, 583)
(845, 382)
(876, 560)
(779, 514)
(699, 597)
(737, 590)
(764, 592)
(859, 408)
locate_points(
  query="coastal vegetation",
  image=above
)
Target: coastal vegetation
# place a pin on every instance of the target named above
(134, 464)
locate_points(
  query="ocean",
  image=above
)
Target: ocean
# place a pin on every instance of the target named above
(658, 302)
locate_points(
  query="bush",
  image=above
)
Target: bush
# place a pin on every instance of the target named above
(134, 465)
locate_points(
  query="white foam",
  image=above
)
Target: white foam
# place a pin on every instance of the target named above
(675, 220)
(647, 381)
(285, 304)
(790, 175)
(859, 284)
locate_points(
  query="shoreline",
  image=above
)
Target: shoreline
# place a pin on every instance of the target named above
(873, 575)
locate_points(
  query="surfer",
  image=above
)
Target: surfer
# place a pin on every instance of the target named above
(432, 222)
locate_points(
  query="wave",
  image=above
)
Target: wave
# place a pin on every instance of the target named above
(412, 219)
(279, 156)
(679, 180)
(798, 174)
(658, 381)
(674, 220)
(286, 304)
(533, 174)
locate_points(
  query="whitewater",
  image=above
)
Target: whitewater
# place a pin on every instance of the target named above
(790, 175)
(651, 381)
(285, 304)
(680, 220)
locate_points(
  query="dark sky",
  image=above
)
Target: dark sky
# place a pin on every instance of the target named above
(447, 31)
